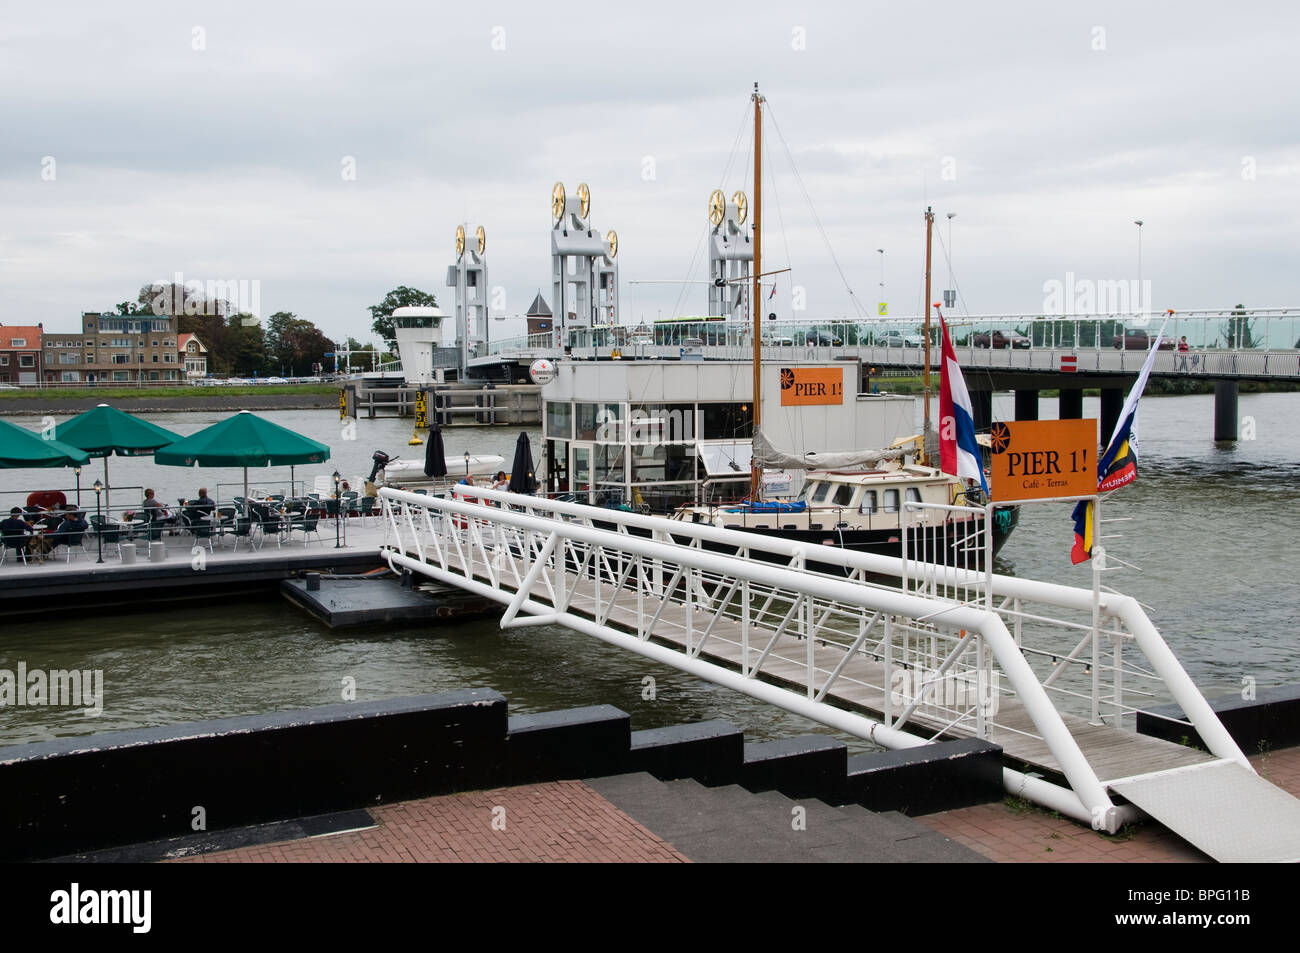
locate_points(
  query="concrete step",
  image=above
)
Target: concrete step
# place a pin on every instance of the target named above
(733, 825)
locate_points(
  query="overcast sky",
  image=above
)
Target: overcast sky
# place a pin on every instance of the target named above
(141, 140)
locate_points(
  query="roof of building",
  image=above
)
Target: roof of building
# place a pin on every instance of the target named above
(184, 339)
(30, 333)
(539, 308)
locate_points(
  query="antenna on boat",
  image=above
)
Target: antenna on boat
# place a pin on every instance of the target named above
(755, 474)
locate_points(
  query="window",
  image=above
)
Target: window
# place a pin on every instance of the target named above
(19, 342)
(843, 496)
(26, 360)
(66, 358)
(153, 375)
(155, 343)
(119, 375)
(913, 495)
(891, 501)
(155, 358)
(120, 359)
(868, 502)
(559, 420)
(4, 360)
(820, 492)
(71, 377)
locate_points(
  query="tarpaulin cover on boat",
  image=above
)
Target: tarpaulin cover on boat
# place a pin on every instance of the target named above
(770, 458)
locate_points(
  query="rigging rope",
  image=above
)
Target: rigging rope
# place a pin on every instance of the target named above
(816, 218)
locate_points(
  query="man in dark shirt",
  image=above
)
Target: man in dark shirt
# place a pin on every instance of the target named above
(204, 502)
(15, 525)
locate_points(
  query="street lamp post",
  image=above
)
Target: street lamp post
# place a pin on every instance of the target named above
(99, 521)
(881, 305)
(466, 466)
(1138, 223)
(77, 471)
(338, 510)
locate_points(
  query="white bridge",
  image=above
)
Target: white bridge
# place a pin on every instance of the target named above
(898, 651)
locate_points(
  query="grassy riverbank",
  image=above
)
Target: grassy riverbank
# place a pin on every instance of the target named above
(133, 393)
(1157, 385)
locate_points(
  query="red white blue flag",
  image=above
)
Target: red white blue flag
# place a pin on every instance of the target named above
(1118, 465)
(959, 454)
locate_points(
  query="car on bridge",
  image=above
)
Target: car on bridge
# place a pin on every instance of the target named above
(999, 339)
(1138, 339)
(822, 339)
(899, 339)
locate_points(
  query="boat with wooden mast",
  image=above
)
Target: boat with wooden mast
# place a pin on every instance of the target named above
(855, 501)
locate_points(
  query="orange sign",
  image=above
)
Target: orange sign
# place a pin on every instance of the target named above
(1036, 459)
(806, 386)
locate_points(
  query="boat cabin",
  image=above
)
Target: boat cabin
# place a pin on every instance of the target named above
(653, 435)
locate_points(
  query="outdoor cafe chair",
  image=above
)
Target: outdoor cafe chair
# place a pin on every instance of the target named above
(266, 522)
(110, 534)
(242, 529)
(69, 539)
(306, 525)
(18, 543)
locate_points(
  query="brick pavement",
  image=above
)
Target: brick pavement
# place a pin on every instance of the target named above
(568, 821)
(1020, 832)
(555, 822)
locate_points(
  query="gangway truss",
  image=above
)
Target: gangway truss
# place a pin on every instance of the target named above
(901, 653)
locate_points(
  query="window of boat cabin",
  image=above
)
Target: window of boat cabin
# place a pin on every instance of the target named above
(843, 495)
(728, 421)
(868, 504)
(891, 501)
(559, 419)
(913, 495)
(819, 493)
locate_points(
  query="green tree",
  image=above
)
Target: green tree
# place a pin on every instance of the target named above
(382, 313)
(247, 345)
(294, 344)
(1239, 330)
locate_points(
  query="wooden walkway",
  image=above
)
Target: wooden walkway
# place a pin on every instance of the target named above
(1114, 753)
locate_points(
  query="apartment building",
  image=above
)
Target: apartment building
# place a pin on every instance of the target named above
(129, 348)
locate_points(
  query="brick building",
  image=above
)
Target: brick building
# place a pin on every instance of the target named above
(128, 348)
(20, 354)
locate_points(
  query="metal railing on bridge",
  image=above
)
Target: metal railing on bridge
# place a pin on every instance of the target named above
(829, 634)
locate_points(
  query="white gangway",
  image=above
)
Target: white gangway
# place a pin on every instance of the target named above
(832, 635)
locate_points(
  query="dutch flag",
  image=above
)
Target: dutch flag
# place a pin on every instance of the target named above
(959, 454)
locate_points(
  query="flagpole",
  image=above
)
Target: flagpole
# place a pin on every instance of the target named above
(925, 426)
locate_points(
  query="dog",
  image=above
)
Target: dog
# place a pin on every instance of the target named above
(40, 548)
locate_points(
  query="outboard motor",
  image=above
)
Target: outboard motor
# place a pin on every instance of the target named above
(381, 460)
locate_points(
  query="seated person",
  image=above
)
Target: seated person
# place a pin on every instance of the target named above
(73, 521)
(204, 502)
(154, 511)
(15, 525)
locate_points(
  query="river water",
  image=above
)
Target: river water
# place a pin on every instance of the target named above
(1210, 528)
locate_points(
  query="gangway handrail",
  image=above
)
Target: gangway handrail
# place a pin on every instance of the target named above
(1125, 608)
(545, 518)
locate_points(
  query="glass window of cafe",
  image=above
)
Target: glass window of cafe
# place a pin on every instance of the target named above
(596, 421)
(559, 419)
(727, 421)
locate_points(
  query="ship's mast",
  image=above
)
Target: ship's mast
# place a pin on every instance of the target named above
(755, 475)
(925, 428)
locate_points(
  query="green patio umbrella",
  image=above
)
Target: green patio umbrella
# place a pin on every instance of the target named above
(104, 431)
(244, 440)
(20, 448)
